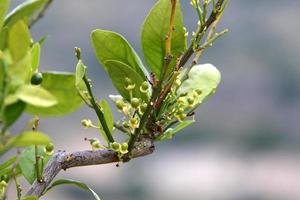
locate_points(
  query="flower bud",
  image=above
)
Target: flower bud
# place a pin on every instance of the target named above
(87, 123)
(124, 148)
(181, 117)
(134, 122)
(3, 184)
(135, 102)
(120, 104)
(116, 146)
(180, 110)
(190, 100)
(144, 87)
(128, 81)
(177, 82)
(143, 107)
(49, 149)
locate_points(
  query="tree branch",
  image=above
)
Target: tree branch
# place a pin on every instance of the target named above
(63, 161)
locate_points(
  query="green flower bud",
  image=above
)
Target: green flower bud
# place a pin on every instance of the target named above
(87, 123)
(36, 79)
(198, 91)
(120, 104)
(116, 146)
(190, 100)
(3, 184)
(177, 82)
(135, 102)
(144, 87)
(124, 148)
(49, 149)
(180, 110)
(181, 117)
(134, 123)
(143, 107)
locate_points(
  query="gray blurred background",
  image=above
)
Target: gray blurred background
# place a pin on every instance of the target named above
(245, 144)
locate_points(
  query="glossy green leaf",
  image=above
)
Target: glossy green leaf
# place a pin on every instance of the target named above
(75, 183)
(36, 96)
(18, 40)
(112, 46)
(28, 138)
(13, 112)
(80, 72)
(154, 31)
(118, 72)
(3, 38)
(205, 78)
(27, 162)
(62, 86)
(35, 56)
(170, 132)
(108, 116)
(4, 4)
(24, 10)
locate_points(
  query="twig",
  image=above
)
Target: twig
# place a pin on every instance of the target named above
(98, 111)
(41, 14)
(63, 161)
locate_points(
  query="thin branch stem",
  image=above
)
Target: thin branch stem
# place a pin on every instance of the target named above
(98, 111)
(63, 161)
(41, 14)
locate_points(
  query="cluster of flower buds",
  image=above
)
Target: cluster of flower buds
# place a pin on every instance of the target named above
(120, 149)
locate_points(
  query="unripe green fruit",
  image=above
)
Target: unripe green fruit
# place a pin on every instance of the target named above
(120, 104)
(135, 102)
(49, 147)
(145, 85)
(36, 79)
(124, 148)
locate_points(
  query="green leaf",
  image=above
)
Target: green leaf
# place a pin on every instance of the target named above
(72, 182)
(80, 72)
(24, 10)
(205, 78)
(170, 132)
(12, 113)
(8, 163)
(28, 138)
(154, 31)
(112, 46)
(27, 162)
(35, 56)
(118, 71)
(3, 38)
(18, 40)
(62, 87)
(108, 116)
(4, 4)
(36, 95)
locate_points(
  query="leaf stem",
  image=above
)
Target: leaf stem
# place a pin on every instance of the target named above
(98, 111)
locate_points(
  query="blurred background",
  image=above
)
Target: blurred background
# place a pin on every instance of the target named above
(245, 144)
